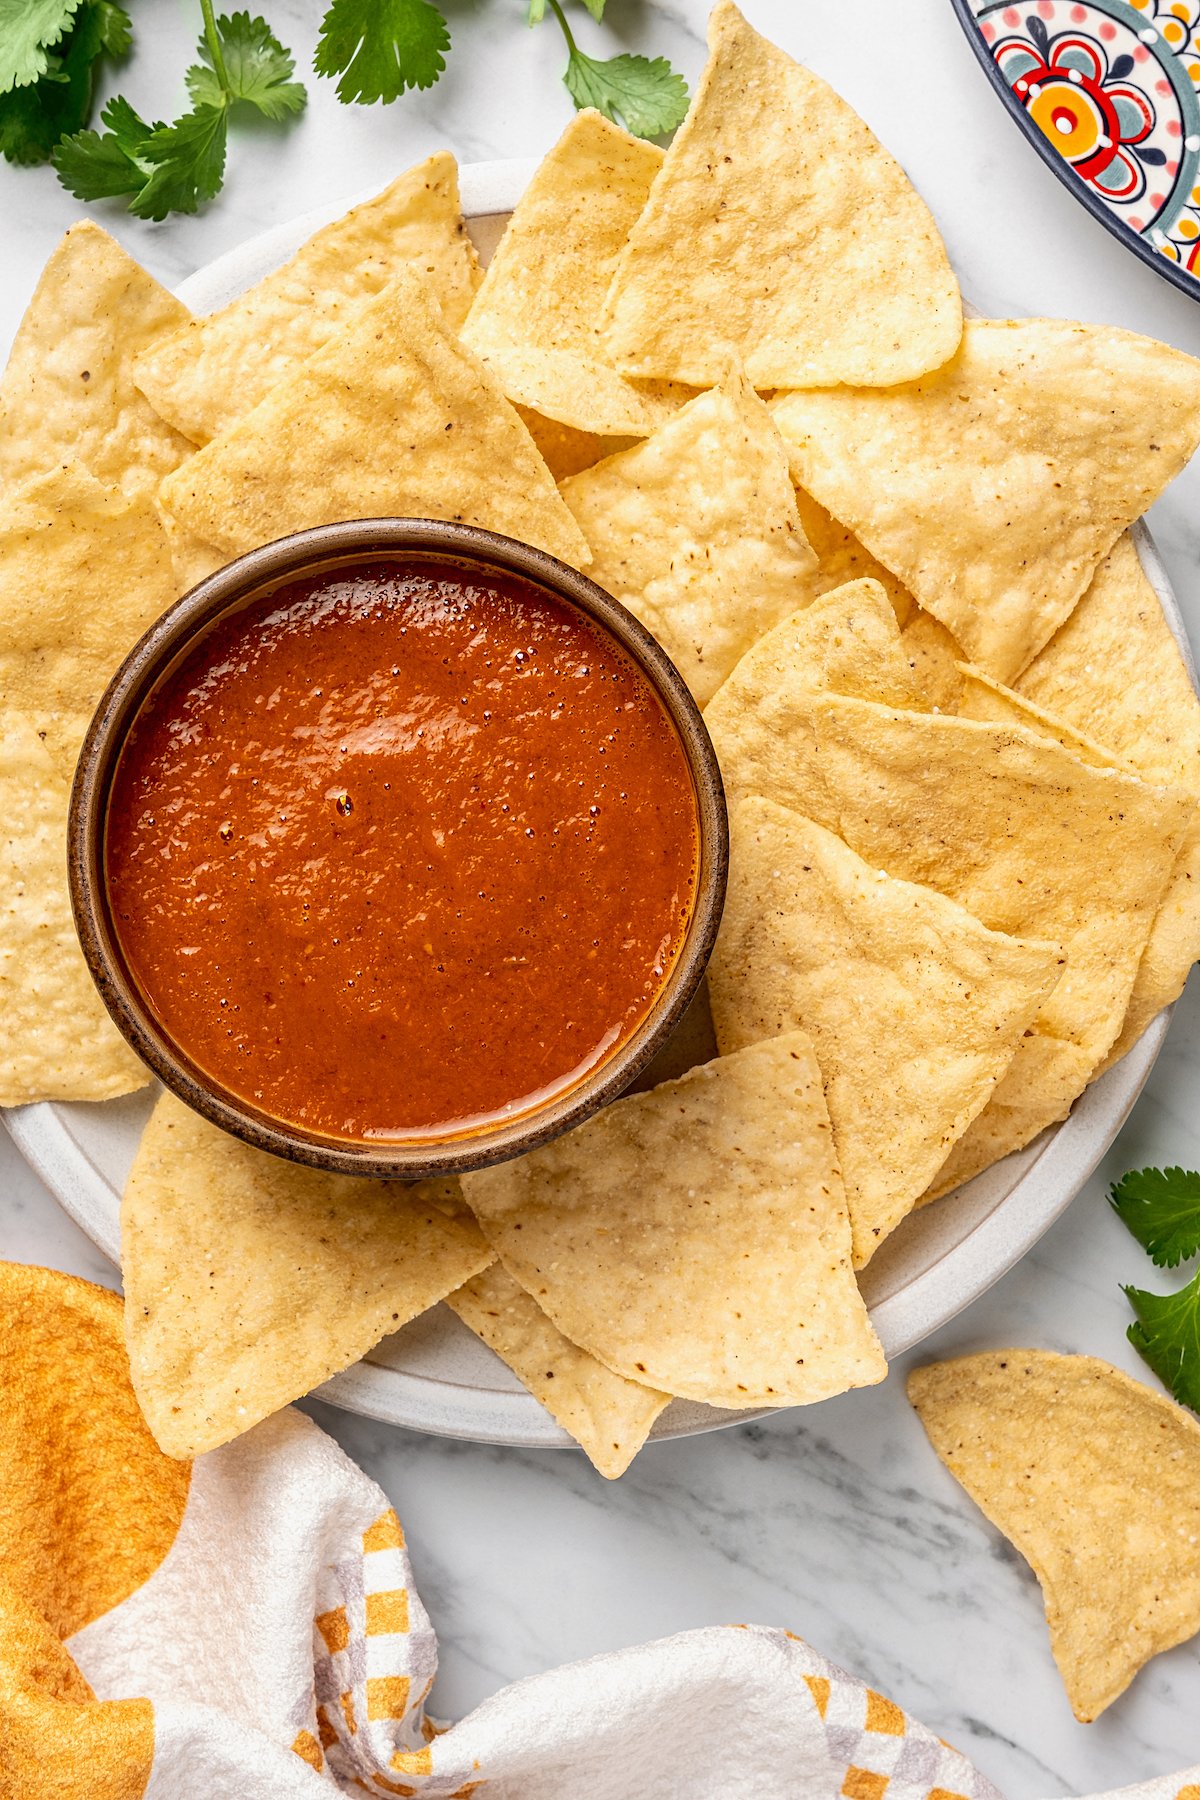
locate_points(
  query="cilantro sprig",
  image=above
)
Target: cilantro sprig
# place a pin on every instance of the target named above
(642, 93)
(49, 50)
(1161, 1207)
(381, 47)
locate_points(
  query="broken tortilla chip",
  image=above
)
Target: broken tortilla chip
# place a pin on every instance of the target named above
(534, 320)
(57, 1042)
(1095, 1480)
(696, 531)
(84, 570)
(781, 232)
(1034, 843)
(392, 417)
(842, 559)
(696, 1238)
(213, 371)
(68, 391)
(250, 1280)
(915, 1009)
(993, 487)
(609, 1417)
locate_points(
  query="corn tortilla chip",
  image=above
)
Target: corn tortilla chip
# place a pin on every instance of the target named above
(1034, 843)
(1115, 672)
(934, 660)
(534, 320)
(68, 390)
(609, 1417)
(56, 1040)
(915, 1009)
(780, 231)
(696, 1238)
(192, 560)
(84, 569)
(213, 371)
(563, 449)
(983, 698)
(1095, 1479)
(696, 531)
(760, 721)
(842, 559)
(392, 416)
(249, 1280)
(993, 487)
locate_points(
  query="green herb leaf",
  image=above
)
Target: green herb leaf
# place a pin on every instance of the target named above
(381, 47)
(28, 30)
(116, 27)
(596, 8)
(646, 96)
(95, 166)
(1161, 1207)
(537, 12)
(34, 118)
(1167, 1336)
(189, 163)
(257, 68)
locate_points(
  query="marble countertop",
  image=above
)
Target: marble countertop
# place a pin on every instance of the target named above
(837, 1522)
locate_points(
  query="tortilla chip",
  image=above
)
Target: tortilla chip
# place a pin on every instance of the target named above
(760, 721)
(609, 1417)
(842, 559)
(84, 569)
(781, 232)
(564, 450)
(192, 560)
(534, 320)
(934, 660)
(915, 1009)
(696, 531)
(1115, 672)
(993, 488)
(1095, 1479)
(208, 375)
(1034, 843)
(392, 417)
(56, 1040)
(982, 698)
(250, 1280)
(68, 390)
(696, 1238)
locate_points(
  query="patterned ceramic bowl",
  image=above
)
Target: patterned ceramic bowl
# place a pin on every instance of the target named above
(1108, 92)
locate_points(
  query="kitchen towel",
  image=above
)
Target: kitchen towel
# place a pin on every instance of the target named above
(246, 1628)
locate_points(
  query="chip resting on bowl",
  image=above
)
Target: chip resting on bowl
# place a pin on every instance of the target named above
(1096, 1481)
(391, 417)
(696, 531)
(781, 232)
(250, 1280)
(915, 1009)
(696, 1237)
(535, 320)
(993, 487)
(214, 370)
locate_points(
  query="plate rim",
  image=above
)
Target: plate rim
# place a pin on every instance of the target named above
(514, 1417)
(1124, 233)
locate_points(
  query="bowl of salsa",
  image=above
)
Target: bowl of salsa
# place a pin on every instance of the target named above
(397, 848)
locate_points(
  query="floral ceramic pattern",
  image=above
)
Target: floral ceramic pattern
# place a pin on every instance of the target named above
(1114, 87)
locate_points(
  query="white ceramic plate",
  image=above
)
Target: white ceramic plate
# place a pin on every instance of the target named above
(435, 1375)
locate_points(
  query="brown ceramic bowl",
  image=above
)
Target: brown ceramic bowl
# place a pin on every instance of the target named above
(161, 649)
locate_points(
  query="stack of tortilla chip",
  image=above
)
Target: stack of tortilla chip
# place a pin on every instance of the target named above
(889, 553)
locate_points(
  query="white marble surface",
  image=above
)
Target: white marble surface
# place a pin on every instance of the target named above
(837, 1523)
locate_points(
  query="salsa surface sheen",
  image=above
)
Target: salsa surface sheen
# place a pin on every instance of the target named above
(401, 850)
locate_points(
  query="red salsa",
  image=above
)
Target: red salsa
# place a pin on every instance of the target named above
(401, 850)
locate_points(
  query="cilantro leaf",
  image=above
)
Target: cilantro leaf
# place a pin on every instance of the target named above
(381, 47)
(255, 68)
(1161, 1207)
(596, 8)
(35, 117)
(188, 160)
(28, 28)
(1167, 1336)
(646, 96)
(95, 166)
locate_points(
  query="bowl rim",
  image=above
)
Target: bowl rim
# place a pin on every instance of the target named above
(236, 585)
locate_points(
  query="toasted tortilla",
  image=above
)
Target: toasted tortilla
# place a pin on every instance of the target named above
(1095, 1480)
(781, 232)
(696, 531)
(68, 391)
(993, 487)
(915, 1009)
(535, 320)
(934, 661)
(213, 371)
(392, 416)
(609, 1418)
(842, 559)
(1034, 843)
(563, 449)
(249, 1280)
(696, 1238)
(982, 698)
